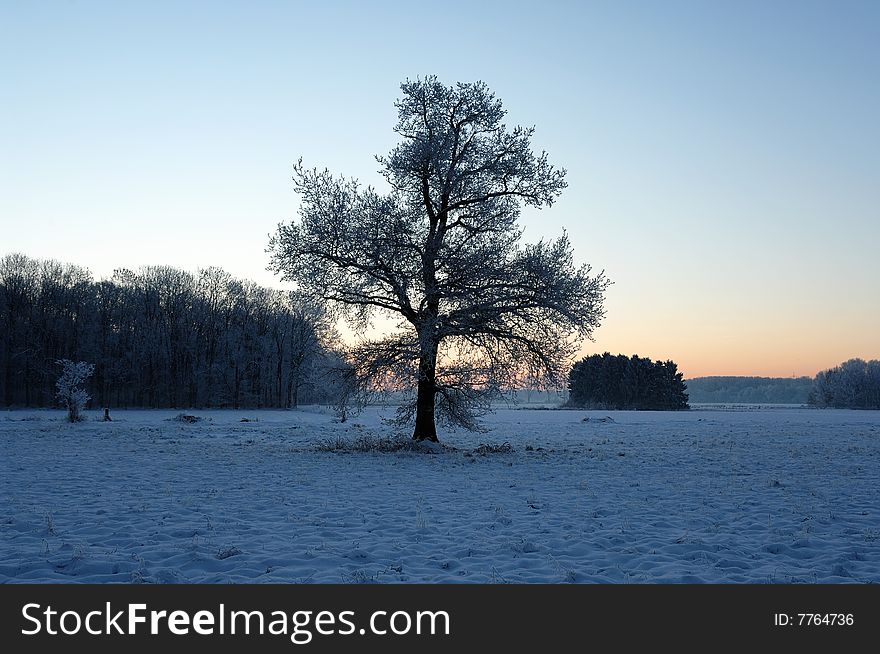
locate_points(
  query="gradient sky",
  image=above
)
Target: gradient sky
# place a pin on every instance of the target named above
(723, 158)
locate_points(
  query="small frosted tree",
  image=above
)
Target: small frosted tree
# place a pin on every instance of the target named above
(346, 391)
(69, 387)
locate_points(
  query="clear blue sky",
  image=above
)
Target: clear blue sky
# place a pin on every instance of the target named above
(723, 158)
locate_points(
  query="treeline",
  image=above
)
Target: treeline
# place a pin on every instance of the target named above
(854, 384)
(159, 337)
(620, 382)
(749, 390)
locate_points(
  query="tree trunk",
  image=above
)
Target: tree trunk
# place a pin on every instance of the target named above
(426, 429)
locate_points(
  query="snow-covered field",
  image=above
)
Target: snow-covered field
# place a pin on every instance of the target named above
(762, 495)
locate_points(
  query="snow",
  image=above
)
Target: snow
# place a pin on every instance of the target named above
(752, 495)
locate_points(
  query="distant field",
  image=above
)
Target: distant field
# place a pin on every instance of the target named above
(748, 495)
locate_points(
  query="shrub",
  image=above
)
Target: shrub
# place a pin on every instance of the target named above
(377, 444)
(68, 387)
(185, 417)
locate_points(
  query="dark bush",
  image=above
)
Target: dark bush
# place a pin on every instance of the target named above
(619, 382)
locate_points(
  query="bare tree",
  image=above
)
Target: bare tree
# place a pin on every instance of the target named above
(441, 252)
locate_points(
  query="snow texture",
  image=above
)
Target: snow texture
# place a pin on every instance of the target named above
(759, 495)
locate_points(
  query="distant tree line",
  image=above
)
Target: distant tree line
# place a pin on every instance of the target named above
(854, 384)
(620, 382)
(749, 390)
(159, 337)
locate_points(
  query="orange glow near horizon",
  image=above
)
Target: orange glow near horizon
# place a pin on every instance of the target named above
(703, 350)
(761, 350)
